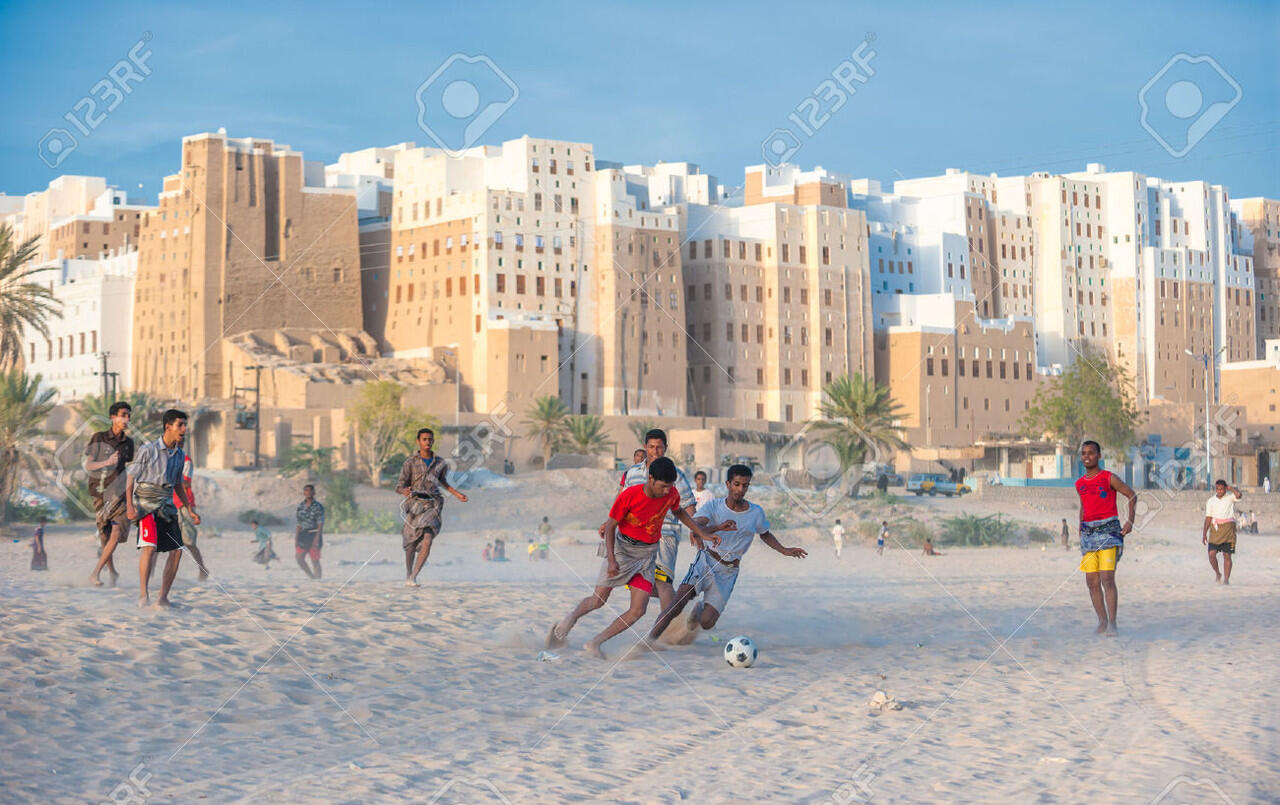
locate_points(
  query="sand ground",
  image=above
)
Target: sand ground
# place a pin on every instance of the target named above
(264, 686)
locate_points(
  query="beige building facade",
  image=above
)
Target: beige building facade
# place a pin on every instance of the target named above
(246, 237)
(778, 296)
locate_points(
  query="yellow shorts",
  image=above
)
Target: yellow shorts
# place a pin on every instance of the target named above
(1094, 561)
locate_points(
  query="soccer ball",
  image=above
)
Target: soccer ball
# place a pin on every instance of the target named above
(740, 652)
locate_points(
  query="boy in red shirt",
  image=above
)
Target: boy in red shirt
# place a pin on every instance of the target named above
(1101, 533)
(631, 537)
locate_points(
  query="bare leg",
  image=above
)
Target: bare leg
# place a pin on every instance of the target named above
(196, 555)
(408, 563)
(708, 616)
(1095, 595)
(560, 632)
(104, 560)
(424, 550)
(666, 593)
(639, 603)
(315, 567)
(170, 573)
(682, 598)
(1226, 568)
(145, 562)
(1213, 563)
(302, 563)
(1108, 579)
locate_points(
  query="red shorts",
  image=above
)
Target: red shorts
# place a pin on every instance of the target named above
(638, 582)
(159, 533)
(313, 551)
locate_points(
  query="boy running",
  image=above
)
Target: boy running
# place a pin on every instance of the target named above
(423, 481)
(632, 538)
(154, 477)
(655, 447)
(106, 457)
(714, 572)
(837, 537)
(1219, 531)
(1101, 534)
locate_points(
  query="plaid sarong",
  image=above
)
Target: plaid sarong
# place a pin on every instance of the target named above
(1098, 535)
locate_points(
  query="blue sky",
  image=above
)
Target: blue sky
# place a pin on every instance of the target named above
(1007, 87)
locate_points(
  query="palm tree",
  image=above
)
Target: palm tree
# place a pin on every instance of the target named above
(546, 423)
(144, 413)
(640, 427)
(23, 410)
(585, 435)
(24, 305)
(859, 415)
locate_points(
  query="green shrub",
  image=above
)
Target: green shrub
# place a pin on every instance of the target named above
(969, 529)
(29, 513)
(1037, 534)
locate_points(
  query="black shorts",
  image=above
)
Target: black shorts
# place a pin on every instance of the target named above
(1226, 547)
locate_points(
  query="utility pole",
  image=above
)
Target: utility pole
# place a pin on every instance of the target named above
(1207, 359)
(103, 356)
(257, 411)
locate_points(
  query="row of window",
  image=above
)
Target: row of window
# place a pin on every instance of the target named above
(67, 345)
(976, 367)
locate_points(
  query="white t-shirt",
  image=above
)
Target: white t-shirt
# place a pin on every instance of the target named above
(1221, 508)
(703, 496)
(734, 544)
(837, 533)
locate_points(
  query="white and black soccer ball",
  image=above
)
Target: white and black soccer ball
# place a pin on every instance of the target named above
(740, 652)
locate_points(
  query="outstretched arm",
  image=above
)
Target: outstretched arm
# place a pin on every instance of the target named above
(1122, 488)
(769, 539)
(696, 535)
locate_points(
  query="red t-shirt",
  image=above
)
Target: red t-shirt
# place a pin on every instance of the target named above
(640, 516)
(1097, 498)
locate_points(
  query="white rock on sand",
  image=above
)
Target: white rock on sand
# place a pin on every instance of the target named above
(267, 687)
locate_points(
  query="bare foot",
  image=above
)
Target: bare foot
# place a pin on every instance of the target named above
(1218, 579)
(144, 601)
(1102, 628)
(1112, 631)
(95, 581)
(162, 603)
(594, 651)
(204, 574)
(411, 583)
(111, 578)
(554, 640)
(1226, 582)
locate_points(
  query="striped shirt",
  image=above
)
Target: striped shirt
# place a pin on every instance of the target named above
(156, 464)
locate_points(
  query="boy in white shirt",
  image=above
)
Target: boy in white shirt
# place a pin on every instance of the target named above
(714, 571)
(701, 495)
(1219, 531)
(837, 537)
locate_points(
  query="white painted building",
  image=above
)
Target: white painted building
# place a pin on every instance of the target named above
(97, 315)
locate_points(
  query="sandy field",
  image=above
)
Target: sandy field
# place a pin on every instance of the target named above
(265, 686)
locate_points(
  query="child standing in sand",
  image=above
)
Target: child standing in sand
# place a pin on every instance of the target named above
(714, 571)
(39, 559)
(1101, 533)
(631, 539)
